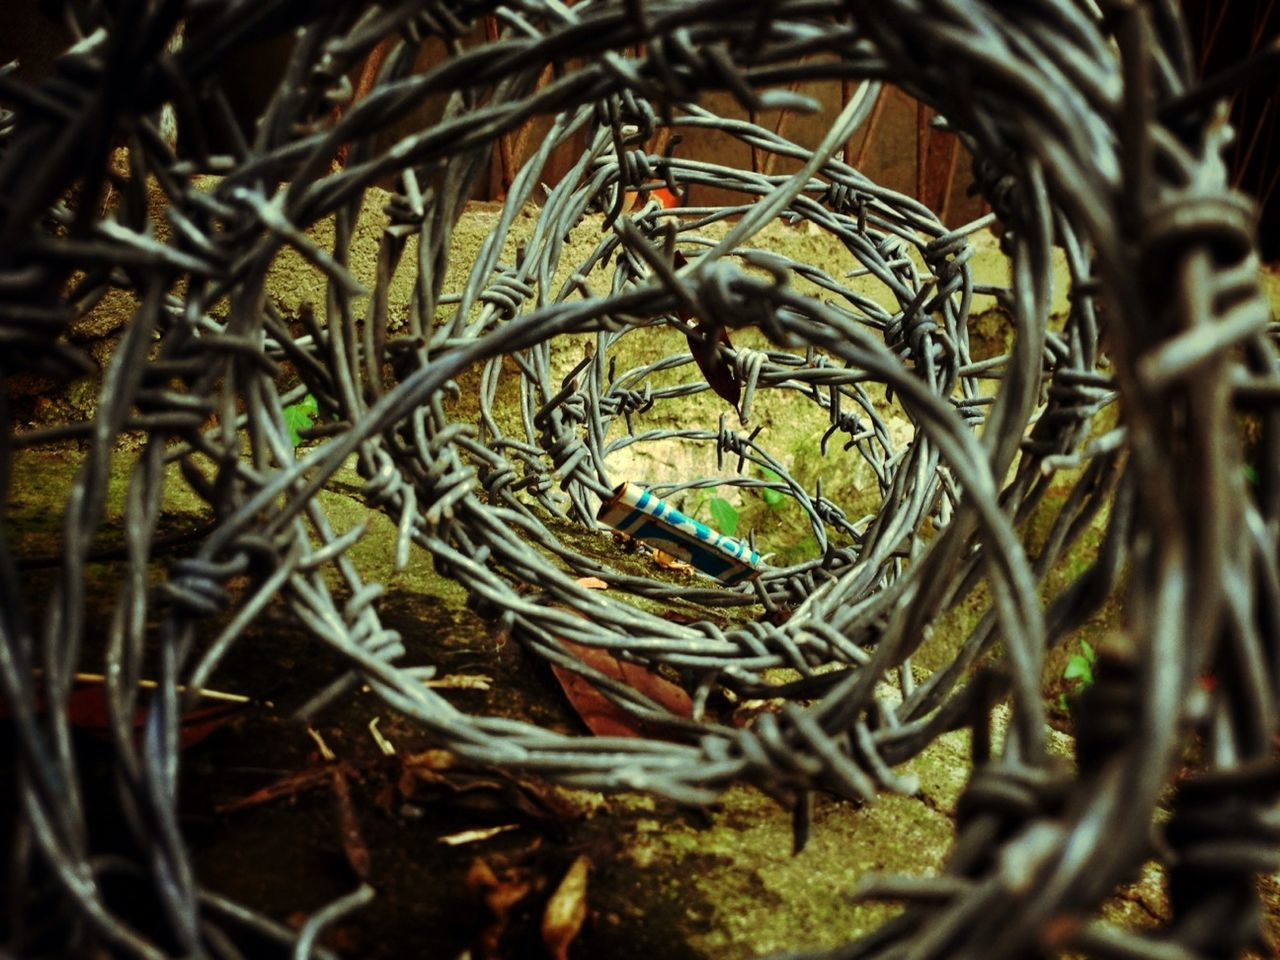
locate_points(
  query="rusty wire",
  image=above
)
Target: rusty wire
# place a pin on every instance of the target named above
(1066, 107)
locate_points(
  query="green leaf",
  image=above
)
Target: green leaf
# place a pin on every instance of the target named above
(1089, 654)
(1078, 668)
(1251, 473)
(298, 416)
(772, 498)
(724, 515)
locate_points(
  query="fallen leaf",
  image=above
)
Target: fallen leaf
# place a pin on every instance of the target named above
(710, 360)
(506, 895)
(598, 712)
(705, 347)
(625, 542)
(481, 789)
(499, 894)
(566, 910)
(592, 583)
(432, 759)
(290, 785)
(353, 845)
(475, 836)
(779, 615)
(480, 877)
(675, 616)
(87, 710)
(195, 725)
(664, 559)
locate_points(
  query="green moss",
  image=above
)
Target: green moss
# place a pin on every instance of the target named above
(374, 553)
(730, 887)
(109, 315)
(991, 333)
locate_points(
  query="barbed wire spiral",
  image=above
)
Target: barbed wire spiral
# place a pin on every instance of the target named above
(1089, 136)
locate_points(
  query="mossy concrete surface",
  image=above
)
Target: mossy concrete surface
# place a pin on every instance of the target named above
(293, 281)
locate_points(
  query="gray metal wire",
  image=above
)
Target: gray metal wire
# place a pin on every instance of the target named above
(1087, 138)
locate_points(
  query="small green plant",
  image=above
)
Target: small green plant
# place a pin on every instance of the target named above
(1080, 666)
(299, 416)
(772, 498)
(1078, 672)
(724, 515)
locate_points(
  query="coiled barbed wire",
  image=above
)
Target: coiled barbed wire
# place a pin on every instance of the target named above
(1087, 137)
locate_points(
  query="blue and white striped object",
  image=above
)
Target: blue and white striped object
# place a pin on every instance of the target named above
(648, 518)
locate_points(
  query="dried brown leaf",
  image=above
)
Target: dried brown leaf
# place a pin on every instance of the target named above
(87, 710)
(353, 845)
(598, 712)
(705, 346)
(664, 559)
(431, 760)
(480, 877)
(288, 786)
(500, 894)
(566, 910)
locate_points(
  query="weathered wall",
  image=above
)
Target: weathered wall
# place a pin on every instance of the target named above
(35, 40)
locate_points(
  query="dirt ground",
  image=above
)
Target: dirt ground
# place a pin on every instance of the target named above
(663, 880)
